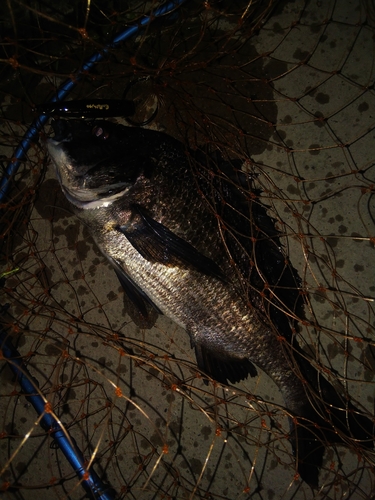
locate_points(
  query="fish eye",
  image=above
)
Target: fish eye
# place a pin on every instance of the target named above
(100, 132)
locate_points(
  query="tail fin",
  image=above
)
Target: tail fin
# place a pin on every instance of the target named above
(308, 444)
(330, 419)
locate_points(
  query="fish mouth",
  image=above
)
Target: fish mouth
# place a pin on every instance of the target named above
(91, 172)
(66, 133)
(78, 130)
(62, 130)
(70, 183)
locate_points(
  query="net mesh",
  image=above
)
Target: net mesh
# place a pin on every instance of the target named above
(286, 87)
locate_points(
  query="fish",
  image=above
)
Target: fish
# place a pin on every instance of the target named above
(187, 234)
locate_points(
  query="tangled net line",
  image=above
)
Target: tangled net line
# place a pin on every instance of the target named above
(287, 88)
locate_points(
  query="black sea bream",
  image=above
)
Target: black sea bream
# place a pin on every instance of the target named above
(186, 233)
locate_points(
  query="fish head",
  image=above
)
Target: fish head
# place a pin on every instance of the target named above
(95, 162)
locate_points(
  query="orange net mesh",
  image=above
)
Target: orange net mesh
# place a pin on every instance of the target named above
(286, 87)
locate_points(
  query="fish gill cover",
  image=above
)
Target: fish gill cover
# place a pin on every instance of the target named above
(287, 90)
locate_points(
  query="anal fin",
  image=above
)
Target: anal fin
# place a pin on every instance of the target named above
(224, 369)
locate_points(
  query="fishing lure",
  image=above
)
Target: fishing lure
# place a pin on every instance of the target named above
(94, 108)
(105, 108)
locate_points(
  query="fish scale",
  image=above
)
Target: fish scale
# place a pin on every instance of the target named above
(209, 313)
(182, 231)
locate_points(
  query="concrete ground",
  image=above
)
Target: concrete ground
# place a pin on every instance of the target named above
(128, 393)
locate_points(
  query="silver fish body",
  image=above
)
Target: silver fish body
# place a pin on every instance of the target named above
(212, 309)
(166, 230)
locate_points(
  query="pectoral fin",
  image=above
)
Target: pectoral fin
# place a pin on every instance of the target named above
(132, 290)
(157, 243)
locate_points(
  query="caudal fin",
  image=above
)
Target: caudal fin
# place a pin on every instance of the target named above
(308, 444)
(329, 419)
